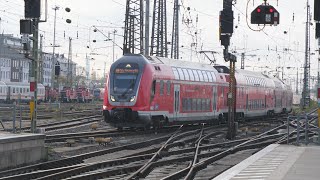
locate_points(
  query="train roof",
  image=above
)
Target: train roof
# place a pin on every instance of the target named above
(244, 77)
(180, 63)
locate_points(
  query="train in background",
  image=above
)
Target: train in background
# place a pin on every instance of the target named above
(144, 91)
(11, 92)
(98, 94)
(69, 95)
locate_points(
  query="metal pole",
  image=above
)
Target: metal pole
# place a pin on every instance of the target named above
(34, 73)
(40, 65)
(69, 59)
(14, 119)
(288, 120)
(20, 112)
(54, 45)
(306, 90)
(298, 130)
(113, 44)
(147, 28)
(318, 83)
(306, 130)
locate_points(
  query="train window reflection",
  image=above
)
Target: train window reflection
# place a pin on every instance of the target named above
(124, 81)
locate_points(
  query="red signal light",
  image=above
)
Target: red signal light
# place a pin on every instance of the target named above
(271, 10)
(259, 10)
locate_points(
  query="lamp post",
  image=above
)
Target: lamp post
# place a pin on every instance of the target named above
(54, 43)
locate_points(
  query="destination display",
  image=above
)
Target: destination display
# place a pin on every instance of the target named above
(126, 71)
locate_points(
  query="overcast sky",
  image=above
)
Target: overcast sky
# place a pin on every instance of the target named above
(266, 46)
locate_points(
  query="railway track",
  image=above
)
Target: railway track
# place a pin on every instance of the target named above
(180, 155)
(66, 124)
(38, 170)
(177, 150)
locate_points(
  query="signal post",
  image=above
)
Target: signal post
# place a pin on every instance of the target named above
(226, 30)
(31, 26)
(264, 14)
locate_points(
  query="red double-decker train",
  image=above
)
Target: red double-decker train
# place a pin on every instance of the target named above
(143, 91)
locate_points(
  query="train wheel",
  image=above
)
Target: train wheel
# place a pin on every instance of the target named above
(119, 128)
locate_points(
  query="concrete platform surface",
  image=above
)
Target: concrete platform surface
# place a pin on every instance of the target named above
(278, 162)
(21, 149)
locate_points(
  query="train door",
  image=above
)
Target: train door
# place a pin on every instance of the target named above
(176, 103)
(214, 99)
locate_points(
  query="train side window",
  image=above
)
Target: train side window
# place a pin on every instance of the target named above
(209, 76)
(200, 75)
(194, 104)
(208, 104)
(180, 74)
(153, 89)
(189, 104)
(13, 90)
(205, 77)
(186, 74)
(192, 78)
(213, 76)
(176, 74)
(196, 76)
(20, 90)
(168, 87)
(183, 104)
(198, 104)
(204, 104)
(161, 87)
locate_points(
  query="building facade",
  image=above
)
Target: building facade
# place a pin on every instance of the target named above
(15, 67)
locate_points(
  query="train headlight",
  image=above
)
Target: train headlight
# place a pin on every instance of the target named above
(104, 107)
(112, 98)
(132, 98)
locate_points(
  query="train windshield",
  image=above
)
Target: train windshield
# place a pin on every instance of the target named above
(124, 82)
(125, 77)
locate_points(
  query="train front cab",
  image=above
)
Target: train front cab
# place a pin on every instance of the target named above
(128, 92)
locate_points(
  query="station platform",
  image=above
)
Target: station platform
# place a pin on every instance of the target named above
(21, 149)
(278, 162)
